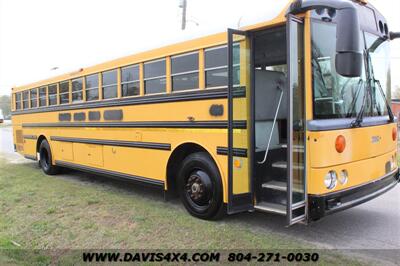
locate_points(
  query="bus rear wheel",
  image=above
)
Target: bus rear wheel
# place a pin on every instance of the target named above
(46, 159)
(200, 187)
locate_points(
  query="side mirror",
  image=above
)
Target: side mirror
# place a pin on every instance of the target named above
(348, 52)
(349, 57)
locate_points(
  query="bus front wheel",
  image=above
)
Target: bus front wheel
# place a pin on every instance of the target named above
(200, 187)
(46, 160)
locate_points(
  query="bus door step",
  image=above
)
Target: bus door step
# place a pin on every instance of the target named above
(283, 165)
(271, 208)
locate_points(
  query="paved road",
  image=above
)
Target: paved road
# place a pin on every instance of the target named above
(6, 140)
(374, 225)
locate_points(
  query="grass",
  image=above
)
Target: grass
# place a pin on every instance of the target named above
(40, 215)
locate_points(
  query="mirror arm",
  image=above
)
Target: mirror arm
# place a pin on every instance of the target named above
(394, 35)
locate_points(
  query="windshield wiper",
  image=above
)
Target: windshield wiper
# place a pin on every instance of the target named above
(360, 115)
(371, 81)
(390, 112)
(373, 48)
(316, 55)
(354, 102)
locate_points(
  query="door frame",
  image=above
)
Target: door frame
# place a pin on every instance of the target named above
(290, 207)
(241, 202)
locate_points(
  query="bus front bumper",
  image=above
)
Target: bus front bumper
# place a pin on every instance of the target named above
(323, 205)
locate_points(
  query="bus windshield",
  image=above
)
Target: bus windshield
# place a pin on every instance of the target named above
(336, 96)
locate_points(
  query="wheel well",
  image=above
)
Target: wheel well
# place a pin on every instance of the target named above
(174, 162)
(39, 141)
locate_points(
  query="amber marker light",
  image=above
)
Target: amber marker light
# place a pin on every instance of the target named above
(237, 163)
(394, 134)
(340, 144)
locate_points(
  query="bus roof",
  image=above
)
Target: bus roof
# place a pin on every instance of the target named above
(178, 48)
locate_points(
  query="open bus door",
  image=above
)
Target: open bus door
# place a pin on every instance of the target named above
(241, 128)
(240, 191)
(296, 208)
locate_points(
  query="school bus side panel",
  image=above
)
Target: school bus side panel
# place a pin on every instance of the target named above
(142, 162)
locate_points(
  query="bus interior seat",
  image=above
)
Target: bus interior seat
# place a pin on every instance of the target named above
(267, 97)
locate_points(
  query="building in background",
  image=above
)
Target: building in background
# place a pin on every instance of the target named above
(396, 107)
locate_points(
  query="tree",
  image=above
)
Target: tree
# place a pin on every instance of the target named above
(5, 105)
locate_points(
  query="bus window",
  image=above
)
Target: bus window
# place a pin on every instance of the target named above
(185, 72)
(25, 99)
(18, 101)
(110, 84)
(130, 81)
(92, 87)
(33, 98)
(64, 92)
(42, 96)
(77, 87)
(155, 77)
(216, 67)
(53, 94)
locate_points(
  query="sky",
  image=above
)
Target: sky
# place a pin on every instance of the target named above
(38, 36)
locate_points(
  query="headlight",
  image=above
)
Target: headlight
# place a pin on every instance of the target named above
(330, 180)
(344, 177)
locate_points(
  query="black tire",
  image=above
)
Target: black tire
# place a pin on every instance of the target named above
(200, 187)
(46, 159)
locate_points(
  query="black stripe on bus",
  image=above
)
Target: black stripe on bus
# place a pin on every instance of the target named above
(115, 175)
(147, 124)
(208, 94)
(30, 137)
(131, 144)
(30, 157)
(236, 152)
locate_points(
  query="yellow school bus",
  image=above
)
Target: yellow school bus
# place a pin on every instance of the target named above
(290, 116)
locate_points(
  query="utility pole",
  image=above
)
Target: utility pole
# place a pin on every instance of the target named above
(183, 5)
